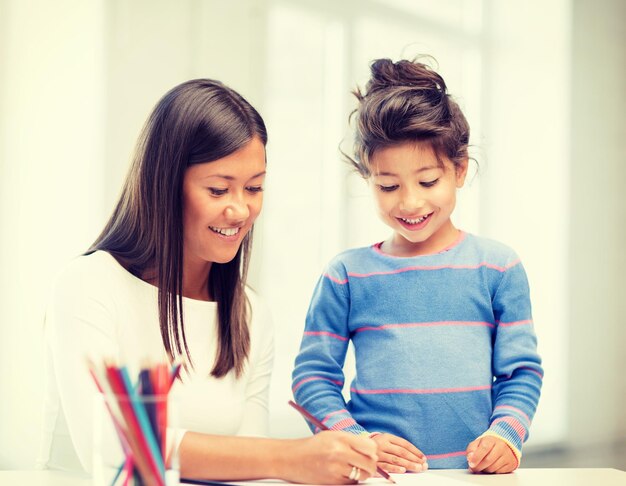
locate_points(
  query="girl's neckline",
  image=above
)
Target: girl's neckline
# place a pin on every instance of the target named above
(146, 285)
(462, 234)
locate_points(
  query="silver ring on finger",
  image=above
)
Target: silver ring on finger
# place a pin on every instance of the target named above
(355, 474)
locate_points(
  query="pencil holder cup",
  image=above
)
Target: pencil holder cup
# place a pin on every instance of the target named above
(134, 440)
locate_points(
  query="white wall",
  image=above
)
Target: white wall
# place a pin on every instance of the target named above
(51, 100)
(597, 262)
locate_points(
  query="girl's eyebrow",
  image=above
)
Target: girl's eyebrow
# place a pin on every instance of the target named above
(421, 169)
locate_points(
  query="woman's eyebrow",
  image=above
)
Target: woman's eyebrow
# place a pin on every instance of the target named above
(232, 178)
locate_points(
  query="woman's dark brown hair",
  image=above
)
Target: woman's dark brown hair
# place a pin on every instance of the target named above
(196, 122)
(407, 101)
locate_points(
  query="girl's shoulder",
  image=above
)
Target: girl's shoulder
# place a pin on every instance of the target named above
(489, 250)
(352, 258)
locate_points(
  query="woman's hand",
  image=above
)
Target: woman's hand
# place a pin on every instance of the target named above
(397, 455)
(490, 454)
(329, 458)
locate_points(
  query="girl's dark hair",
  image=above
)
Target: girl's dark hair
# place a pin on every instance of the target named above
(196, 122)
(407, 101)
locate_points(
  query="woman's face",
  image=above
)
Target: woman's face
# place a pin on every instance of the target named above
(221, 200)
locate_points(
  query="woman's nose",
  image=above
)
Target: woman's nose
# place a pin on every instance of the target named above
(237, 210)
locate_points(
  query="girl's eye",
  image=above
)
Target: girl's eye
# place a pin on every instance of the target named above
(254, 189)
(217, 192)
(429, 183)
(388, 188)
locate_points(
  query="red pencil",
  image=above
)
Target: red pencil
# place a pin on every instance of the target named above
(321, 426)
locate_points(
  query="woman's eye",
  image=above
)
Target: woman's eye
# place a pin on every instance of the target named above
(388, 188)
(254, 189)
(217, 192)
(429, 183)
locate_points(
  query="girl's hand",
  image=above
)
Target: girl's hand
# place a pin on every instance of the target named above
(491, 455)
(329, 457)
(397, 455)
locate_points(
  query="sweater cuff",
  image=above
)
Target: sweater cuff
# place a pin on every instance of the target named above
(516, 452)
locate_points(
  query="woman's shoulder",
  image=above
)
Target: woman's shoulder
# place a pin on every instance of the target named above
(98, 272)
(96, 267)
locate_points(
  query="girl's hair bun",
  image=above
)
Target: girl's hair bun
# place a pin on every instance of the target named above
(411, 75)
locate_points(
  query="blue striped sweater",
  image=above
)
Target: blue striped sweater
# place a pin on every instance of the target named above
(444, 343)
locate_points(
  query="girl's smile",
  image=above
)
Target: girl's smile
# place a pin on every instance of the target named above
(414, 224)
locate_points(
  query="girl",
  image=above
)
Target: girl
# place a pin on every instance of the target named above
(166, 279)
(447, 372)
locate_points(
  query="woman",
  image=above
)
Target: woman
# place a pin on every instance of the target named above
(166, 280)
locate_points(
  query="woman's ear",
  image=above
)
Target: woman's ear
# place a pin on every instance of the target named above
(461, 172)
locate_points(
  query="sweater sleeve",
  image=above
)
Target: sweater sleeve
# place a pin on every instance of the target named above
(318, 376)
(517, 367)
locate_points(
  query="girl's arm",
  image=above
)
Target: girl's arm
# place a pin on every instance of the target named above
(516, 364)
(318, 378)
(326, 458)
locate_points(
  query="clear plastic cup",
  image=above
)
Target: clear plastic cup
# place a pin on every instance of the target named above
(135, 441)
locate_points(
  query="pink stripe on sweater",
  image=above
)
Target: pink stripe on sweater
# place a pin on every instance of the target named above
(444, 456)
(540, 375)
(517, 426)
(325, 333)
(342, 424)
(515, 409)
(313, 378)
(426, 324)
(419, 267)
(333, 413)
(336, 280)
(515, 323)
(377, 247)
(421, 391)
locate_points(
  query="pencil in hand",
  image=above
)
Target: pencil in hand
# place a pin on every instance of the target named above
(305, 413)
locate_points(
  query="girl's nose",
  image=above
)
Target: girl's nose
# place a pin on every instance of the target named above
(411, 201)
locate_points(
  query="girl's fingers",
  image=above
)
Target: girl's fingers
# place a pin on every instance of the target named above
(410, 449)
(390, 467)
(498, 463)
(405, 454)
(492, 456)
(477, 454)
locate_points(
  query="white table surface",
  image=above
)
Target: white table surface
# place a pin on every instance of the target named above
(521, 477)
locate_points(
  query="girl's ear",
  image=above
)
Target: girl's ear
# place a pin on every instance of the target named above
(461, 172)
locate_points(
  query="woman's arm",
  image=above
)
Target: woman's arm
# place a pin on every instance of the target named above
(80, 323)
(325, 458)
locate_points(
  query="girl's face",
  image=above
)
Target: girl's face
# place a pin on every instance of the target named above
(415, 196)
(221, 201)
